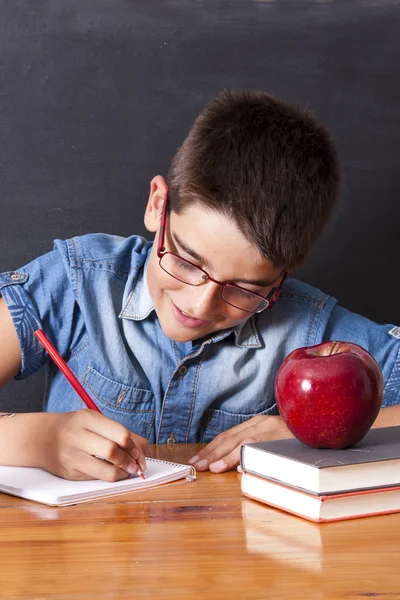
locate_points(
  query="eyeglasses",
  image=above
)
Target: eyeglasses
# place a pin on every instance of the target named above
(185, 271)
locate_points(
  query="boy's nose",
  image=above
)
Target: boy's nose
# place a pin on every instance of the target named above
(206, 298)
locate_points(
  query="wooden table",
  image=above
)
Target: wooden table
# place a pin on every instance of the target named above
(192, 541)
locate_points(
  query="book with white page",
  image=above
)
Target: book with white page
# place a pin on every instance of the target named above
(41, 486)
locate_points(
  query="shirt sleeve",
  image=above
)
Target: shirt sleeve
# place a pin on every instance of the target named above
(40, 296)
(382, 341)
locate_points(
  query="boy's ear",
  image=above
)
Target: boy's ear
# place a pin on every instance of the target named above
(152, 215)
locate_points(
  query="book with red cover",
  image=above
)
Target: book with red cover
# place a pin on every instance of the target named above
(322, 508)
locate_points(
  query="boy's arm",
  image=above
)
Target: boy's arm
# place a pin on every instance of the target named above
(67, 444)
(20, 436)
(10, 352)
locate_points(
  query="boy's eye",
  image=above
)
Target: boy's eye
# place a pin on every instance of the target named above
(187, 266)
(239, 293)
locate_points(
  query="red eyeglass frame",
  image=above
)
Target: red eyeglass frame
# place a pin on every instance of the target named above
(161, 252)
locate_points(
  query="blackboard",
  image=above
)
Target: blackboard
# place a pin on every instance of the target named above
(96, 96)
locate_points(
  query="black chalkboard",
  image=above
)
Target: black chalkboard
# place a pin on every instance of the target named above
(96, 96)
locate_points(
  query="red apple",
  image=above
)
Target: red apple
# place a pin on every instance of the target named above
(329, 394)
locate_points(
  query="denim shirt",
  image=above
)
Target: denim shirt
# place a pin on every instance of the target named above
(90, 297)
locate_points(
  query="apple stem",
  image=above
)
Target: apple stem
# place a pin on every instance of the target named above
(334, 348)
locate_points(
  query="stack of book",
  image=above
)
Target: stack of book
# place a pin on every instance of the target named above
(323, 484)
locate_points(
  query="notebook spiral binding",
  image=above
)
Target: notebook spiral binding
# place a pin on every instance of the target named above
(190, 477)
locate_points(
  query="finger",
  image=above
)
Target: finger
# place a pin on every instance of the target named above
(226, 442)
(228, 454)
(97, 446)
(130, 442)
(117, 433)
(136, 449)
(257, 421)
(221, 447)
(227, 462)
(232, 458)
(105, 427)
(210, 448)
(95, 468)
(141, 442)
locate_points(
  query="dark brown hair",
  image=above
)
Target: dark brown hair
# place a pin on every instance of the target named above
(266, 164)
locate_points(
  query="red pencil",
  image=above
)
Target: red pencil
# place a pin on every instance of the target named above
(64, 368)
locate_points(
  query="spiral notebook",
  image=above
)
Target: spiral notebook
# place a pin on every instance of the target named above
(41, 486)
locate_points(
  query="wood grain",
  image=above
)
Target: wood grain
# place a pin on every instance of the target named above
(199, 540)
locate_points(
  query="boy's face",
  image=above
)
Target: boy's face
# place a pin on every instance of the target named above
(214, 243)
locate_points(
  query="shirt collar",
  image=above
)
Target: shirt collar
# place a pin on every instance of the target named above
(139, 305)
(246, 334)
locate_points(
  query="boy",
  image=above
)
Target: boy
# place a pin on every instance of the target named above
(176, 341)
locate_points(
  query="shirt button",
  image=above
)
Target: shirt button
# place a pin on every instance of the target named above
(15, 276)
(171, 440)
(121, 397)
(183, 370)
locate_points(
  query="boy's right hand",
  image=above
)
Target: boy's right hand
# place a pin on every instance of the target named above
(75, 443)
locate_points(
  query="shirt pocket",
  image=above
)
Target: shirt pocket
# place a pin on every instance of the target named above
(217, 421)
(131, 406)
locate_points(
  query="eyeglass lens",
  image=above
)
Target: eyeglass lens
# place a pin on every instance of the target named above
(192, 275)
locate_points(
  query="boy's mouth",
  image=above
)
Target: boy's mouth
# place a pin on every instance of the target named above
(186, 320)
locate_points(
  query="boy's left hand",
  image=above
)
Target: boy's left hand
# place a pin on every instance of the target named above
(223, 453)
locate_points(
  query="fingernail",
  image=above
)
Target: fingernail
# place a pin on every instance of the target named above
(132, 468)
(220, 465)
(201, 464)
(193, 460)
(135, 453)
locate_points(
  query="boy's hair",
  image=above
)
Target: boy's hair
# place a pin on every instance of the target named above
(266, 164)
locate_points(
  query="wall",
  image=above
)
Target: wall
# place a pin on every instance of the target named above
(96, 96)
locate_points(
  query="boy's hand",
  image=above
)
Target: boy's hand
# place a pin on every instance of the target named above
(76, 442)
(223, 453)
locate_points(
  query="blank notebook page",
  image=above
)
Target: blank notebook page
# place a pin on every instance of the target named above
(41, 486)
